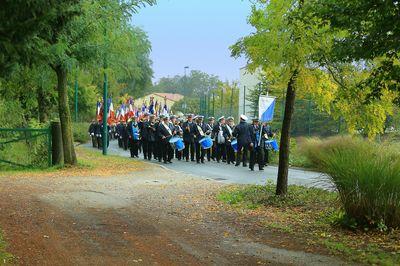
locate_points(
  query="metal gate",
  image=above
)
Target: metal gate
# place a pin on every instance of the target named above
(25, 147)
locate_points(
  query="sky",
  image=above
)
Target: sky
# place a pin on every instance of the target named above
(195, 33)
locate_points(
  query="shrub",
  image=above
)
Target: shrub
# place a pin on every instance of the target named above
(80, 131)
(366, 176)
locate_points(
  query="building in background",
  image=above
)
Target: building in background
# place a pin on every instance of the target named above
(161, 98)
(248, 82)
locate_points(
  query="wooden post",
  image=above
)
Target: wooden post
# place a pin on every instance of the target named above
(57, 144)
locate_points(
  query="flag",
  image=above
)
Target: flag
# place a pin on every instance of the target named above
(266, 107)
(98, 111)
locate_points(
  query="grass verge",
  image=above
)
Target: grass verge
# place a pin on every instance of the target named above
(90, 163)
(5, 257)
(313, 214)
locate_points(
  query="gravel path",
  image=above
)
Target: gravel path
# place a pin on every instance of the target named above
(149, 217)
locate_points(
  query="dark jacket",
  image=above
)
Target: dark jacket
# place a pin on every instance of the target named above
(150, 131)
(163, 132)
(197, 134)
(188, 131)
(92, 129)
(242, 133)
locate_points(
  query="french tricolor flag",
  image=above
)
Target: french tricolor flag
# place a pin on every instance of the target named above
(266, 107)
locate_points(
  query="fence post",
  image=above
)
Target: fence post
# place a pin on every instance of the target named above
(56, 143)
(309, 118)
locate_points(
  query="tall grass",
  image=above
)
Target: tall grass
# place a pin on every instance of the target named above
(80, 131)
(365, 174)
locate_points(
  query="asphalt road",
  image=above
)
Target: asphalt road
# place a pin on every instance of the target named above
(230, 174)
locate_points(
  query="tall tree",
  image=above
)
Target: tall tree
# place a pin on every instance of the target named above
(281, 44)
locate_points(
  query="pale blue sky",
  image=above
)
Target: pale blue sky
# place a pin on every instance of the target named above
(195, 33)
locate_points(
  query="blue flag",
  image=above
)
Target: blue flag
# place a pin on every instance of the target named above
(266, 107)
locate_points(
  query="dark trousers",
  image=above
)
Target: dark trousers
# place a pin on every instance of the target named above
(94, 142)
(125, 143)
(149, 149)
(166, 151)
(120, 142)
(221, 152)
(266, 156)
(145, 147)
(241, 155)
(99, 143)
(189, 146)
(230, 154)
(134, 147)
(200, 153)
(157, 150)
(256, 155)
(178, 154)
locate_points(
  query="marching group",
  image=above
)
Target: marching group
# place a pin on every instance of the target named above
(192, 139)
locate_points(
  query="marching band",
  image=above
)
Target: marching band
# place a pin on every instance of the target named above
(162, 137)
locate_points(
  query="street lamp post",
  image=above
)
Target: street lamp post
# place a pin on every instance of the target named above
(76, 97)
(105, 103)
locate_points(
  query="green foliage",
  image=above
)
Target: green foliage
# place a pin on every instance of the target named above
(80, 131)
(193, 85)
(257, 196)
(368, 35)
(5, 257)
(187, 106)
(366, 176)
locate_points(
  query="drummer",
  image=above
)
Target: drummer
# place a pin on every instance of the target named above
(229, 127)
(199, 133)
(210, 152)
(165, 134)
(178, 132)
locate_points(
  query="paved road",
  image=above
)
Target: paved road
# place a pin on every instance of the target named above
(230, 174)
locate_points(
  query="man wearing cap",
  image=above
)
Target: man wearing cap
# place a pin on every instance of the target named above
(220, 139)
(210, 126)
(165, 134)
(199, 133)
(229, 127)
(256, 152)
(158, 142)
(188, 138)
(243, 135)
(177, 130)
(91, 131)
(142, 124)
(151, 130)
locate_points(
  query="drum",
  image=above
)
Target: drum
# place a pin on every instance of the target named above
(177, 143)
(272, 144)
(206, 143)
(234, 145)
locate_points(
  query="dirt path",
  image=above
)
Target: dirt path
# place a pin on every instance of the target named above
(150, 217)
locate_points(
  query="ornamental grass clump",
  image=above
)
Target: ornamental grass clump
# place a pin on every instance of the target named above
(366, 176)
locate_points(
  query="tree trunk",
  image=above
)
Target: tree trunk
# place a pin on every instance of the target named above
(65, 116)
(284, 149)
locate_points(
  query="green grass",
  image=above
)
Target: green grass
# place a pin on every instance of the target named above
(313, 215)
(5, 257)
(256, 196)
(366, 175)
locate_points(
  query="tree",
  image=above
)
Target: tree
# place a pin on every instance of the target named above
(369, 35)
(278, 45)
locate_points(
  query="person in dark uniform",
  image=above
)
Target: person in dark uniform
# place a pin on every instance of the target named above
(118, 133)
(165, 134)
(92, 131)
(157, 151)
(199, 133)
(220, 138)
(98, 135)
(243, 135)
(267, 135)
(229, 127)
(188, 138)
(133, 135)
(256, 152)
(209, 132)
(150, 131)
(124, 135)
(143, 134)
(177, 132)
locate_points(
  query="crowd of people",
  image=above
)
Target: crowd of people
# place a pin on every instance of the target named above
(158, 138)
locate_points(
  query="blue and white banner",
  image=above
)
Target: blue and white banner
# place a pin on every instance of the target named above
(266, 107)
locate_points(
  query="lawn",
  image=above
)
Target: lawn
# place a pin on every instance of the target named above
(90, 163)
(313, 214)
(5, 257)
